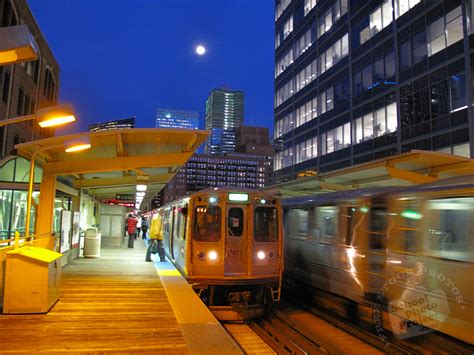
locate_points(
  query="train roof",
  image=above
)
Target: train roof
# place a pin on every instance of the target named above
(230, 189)
(460, 182)
(332, 197)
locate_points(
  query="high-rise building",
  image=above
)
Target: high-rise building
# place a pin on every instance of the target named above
(26, 86)
(361, 80)
(167, 118)
(224, 113)
(202, 171)
(250, 166)
(116, 124)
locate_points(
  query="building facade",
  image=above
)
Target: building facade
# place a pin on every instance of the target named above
(361, 80)
(204, 171)
(167, 118)
(27, 86)
(116, 124)
(224, 113)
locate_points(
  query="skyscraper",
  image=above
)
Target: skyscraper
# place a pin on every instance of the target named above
(224, 113)
(361, 80)
(167, 118)
(116, 124)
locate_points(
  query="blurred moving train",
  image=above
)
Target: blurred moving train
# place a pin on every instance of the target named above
(228, 245)
(408, 249)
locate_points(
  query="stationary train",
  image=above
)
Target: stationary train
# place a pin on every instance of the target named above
(410, 250)
(227, 243)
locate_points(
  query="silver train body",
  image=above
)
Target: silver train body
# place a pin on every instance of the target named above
(410, 250)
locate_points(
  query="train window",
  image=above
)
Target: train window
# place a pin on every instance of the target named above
(235, 222)
(408, 226)
(297, 223)
(265, 224)
(377, 226)
(449, 228)
(207, 224)
(178, 223)
(327, 224)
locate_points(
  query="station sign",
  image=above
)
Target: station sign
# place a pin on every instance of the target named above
(125, 197)
(120, 203)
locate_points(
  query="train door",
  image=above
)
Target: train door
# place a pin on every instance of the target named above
(236, 250)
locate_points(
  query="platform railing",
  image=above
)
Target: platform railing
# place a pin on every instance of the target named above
(47, 240)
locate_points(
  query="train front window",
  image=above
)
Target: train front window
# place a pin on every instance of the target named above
(449, 228)
(235, 223)
(207, 224)
(265, 224)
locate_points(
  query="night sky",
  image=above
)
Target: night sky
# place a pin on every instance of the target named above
(123, 58)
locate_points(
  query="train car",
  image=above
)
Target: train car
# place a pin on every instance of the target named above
(228, 245)
(411, 250)
(335, 241)
(430, 264)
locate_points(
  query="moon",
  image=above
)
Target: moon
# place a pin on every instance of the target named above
(200, 49)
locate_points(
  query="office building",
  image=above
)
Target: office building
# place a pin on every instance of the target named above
(26, 86)
(361, 80)
(168, 118)
(115, 124)
(224, 113)
(253, 140)
(204, 171)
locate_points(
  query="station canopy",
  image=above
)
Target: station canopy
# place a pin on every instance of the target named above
(407, 169)
(117, 160)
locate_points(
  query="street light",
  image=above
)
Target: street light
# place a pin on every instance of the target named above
(17, 45)
(46, 117)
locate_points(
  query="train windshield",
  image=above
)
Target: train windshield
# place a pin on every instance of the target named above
(207, 224)
(265, 224)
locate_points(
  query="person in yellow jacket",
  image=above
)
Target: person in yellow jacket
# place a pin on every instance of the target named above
(156, 238)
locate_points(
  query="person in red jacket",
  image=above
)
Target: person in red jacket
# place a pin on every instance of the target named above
(131, 229)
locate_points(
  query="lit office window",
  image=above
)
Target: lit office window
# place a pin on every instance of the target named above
(379, 18)
(281, 7)
(458, 93)
(287, 28)
(375, 124)
(309, 5)
(445, 31)
(402, 6)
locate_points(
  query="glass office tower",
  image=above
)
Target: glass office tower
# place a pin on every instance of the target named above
(168, 118)
(224, 113)
(361, 80)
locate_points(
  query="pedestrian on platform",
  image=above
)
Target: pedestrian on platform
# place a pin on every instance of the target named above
(144, 228)
(156, 238)
(131, 229)
(139, 226)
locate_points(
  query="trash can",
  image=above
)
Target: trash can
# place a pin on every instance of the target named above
(32, 280)
(92, 243)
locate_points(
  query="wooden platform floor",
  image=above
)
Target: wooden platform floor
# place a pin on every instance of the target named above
(114, 304)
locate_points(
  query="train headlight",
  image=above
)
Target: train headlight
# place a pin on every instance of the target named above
(212, 199)
(262, 201)
(212, 255)
(261, 255)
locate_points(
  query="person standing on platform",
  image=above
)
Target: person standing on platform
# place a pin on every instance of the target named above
(139, 226)
(156, 238)
(131, 229)
(144, 227)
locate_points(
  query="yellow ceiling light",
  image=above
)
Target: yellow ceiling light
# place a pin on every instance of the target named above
(77, 144)
(55, 116)
(17, 45)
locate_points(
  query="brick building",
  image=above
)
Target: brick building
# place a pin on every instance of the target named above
(26, 86)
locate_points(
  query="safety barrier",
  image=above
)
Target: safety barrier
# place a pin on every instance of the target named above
(47, 241)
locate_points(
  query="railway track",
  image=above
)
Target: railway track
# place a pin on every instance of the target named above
(295, 331)
(359, 322)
